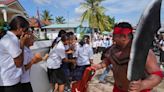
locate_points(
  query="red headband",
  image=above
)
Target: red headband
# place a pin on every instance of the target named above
(119, 30)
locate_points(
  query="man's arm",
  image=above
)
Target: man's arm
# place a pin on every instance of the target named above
(105, 61)
(101, 65)
(151, 67)
(154, 78)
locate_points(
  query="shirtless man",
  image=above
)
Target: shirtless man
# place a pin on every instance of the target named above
(118, 55)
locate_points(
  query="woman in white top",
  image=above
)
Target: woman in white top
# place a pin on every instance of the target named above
(84, 55)
(11, 57)
(56, 57)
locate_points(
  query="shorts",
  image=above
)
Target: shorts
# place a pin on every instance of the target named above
(14, 88)
(66, 69)
(77, 73)
(56, 76)
(26, 87)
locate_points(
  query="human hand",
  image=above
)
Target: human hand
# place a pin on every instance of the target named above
(135, 86)
(23, 38)
(45, 57)
(73, 61)
(94, 66)
(69, 51)
(37, 58)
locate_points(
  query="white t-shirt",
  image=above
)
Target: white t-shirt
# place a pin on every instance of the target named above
(28, 55)
(56, 55)
(83, 55)
(162, 44)
(94, 45)
(9, 49)
(99, 43)
(105, 43)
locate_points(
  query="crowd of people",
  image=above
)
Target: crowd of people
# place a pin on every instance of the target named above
(68, 58)
(158, 48)
(100, 42)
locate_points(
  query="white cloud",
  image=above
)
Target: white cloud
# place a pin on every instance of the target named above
(43, 2)
(127, 6)
(74, 20)
(79, 10)
(113, 7)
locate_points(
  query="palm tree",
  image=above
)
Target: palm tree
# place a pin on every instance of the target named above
(111, 24)
(46, 16)
(46, 20)
(60, 20)
(94, 14)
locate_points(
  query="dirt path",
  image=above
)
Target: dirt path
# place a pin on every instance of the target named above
(95, 86)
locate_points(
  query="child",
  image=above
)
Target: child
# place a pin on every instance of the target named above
(29, 60)
(11, 54)
(56, 57)
(84, 55)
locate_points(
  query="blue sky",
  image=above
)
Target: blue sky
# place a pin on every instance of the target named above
(122, 10)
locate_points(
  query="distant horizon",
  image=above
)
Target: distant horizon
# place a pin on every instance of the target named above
(71, 10)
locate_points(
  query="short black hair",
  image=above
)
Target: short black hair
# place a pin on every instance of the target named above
(64, 37)
(124, 25)
(70, 33)
(61, 32)
(84, 40)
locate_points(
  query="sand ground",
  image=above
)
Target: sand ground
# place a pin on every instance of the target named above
(95, 86)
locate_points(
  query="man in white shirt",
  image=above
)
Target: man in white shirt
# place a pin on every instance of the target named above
(11, 57)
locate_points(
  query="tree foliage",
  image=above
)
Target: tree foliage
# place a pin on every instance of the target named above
(46, 15)
(94, 15)
(60, 20)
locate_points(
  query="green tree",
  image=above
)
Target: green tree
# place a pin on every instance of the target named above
(1, 22)
(46, 16)
(46, 19)
(111, 24)
(60, 20)
(94, 14)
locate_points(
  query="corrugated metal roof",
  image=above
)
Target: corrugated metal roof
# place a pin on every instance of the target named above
(63, 26)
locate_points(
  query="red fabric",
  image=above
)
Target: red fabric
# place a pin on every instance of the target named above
(116, 89)
(146, 90)
(81, 86)
(158, 73)
(119, 30)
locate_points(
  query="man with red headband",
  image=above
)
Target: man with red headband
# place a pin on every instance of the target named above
(118, 55)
